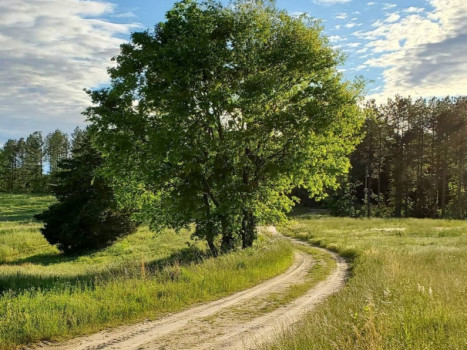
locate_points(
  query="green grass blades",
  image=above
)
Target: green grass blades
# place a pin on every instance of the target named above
(22, 207)
(407, 290)
(46, 295)
(19, 233)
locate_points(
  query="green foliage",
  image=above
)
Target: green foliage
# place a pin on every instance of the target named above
(219, 112)
(57, 148)
(344, 201)
(86, 216)
(411, 161)
(406, 291)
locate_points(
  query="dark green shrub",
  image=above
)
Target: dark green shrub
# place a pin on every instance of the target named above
(86, 215)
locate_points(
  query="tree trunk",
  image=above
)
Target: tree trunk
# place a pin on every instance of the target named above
(228, 242)
(443, 188)
(248, 231)
(212, 246)
(209, 229)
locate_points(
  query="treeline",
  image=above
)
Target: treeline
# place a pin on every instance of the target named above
(411, 161)
(26, 163)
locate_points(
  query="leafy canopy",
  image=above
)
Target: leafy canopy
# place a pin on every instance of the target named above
(219, 112)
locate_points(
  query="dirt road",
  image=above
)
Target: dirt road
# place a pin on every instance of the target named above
(240, 321)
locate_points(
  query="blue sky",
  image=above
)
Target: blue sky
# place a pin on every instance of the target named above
(50, 50)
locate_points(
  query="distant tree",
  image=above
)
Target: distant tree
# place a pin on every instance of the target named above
(77, 137)
(216, 115)
(86, 215)
(10, 170)
(33, 163)
(415, 150)
(21, 176)
(57, 148)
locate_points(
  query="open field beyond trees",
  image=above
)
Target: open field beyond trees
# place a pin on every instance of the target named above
(45, 295)
(408, 286)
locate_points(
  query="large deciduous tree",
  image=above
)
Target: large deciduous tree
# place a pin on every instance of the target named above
(214, 116)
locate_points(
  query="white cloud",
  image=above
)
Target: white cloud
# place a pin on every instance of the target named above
(330, 2)
(377, 23)
(49, 51)
(353, 45)
(336, 38)
(353, 24)
(128, 14)
(371, 3)
(414, 9)
(388, 6)
(341, 15)
(422, 54)
(299, 14)
(393, 17)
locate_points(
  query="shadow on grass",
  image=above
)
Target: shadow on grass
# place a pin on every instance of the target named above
(20, 216)
(46, 259)
(304, 212)
(18, 281)
(22, 207)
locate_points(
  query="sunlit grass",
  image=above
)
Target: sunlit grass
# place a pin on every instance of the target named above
(408, 288)
(46, 295)
(21, 207)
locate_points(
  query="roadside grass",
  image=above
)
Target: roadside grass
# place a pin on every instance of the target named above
(45, 295)
(323, 265)
(408, 285)
(322, 268)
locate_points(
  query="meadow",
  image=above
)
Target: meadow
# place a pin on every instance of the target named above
(407, 288)
(45, 295)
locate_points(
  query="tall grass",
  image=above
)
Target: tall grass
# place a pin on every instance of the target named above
(408, 288)
(21, 207)
(45, 295)
(35, 314)
(19, 233)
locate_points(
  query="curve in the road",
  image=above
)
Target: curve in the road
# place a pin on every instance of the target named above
(241, 335)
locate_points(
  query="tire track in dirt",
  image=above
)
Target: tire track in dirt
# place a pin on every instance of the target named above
(190, 329)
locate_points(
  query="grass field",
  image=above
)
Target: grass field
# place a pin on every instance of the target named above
(407, 289)
(45, 295)
(408, 285)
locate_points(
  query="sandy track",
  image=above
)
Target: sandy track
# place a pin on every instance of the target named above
(202, 327)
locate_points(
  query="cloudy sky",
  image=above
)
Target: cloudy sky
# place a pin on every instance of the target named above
(50, 50)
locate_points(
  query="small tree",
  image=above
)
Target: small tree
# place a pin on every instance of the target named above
(216, 115)
(86, 215)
